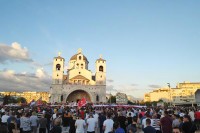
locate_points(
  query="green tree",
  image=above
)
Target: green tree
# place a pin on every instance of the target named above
(9, 99)
(131, 103)
(160, 100)
(21, 100)
(5, 100)
(112, 99)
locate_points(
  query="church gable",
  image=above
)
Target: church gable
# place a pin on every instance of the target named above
(79, 79)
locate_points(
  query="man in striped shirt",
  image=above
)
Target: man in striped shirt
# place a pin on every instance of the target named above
(155, 123)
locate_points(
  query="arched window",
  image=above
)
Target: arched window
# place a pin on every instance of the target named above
(79, 57)
(61, 98)
(58, 66)
(97, 98)
(101, 68)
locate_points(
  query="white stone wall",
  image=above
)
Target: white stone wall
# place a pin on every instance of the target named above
(65, 90)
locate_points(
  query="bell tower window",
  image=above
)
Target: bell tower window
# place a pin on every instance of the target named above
(58, 66)
(101, 68)
(79, 57)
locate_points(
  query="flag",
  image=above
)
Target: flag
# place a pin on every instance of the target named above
(82, 102)
(39, 101)
(32, 103)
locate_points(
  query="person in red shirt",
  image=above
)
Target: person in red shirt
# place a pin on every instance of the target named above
(82, 114)
(197, 119)
(166, 123)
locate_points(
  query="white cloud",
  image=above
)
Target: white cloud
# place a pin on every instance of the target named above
(14, 53)
(110, 80)
(154, 86)
(11, 81)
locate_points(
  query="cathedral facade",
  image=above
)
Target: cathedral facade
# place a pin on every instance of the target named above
(78, 82)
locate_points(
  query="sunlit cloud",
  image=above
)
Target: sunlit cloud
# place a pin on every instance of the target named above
(14, 53)
(11, 81)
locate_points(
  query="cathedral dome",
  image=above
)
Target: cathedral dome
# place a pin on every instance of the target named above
(74, 57)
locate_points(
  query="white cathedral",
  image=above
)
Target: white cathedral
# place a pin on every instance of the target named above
(79, 82)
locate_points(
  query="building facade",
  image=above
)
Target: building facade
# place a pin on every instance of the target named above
(121, 98)
(184, 93)
(158, 94)
(78, 82)
(29, 96)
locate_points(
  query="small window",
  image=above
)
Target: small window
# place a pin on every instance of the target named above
(97, 98)
(61, 98)
(57, 75)
(101, 68)
(56, 59)
(60, 59)
(79, 57)
(79, 72)
(58, 66)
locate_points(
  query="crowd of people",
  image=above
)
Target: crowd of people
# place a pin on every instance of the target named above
(64, 119)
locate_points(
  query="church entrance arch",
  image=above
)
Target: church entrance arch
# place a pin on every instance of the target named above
(77, 95)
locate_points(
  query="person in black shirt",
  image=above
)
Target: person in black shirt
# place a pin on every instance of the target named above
(102, 118)
(12, 126)
(149, 128)
(57, 127)
(122, 121)
(132, 128)
(48, 117)
(72, 125)
(188, 126)
(66, 119)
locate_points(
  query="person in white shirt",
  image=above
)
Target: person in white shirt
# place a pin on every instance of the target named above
(108, 124)
(144, 120)
(2, 110)
(91, 124)
(191, 114)
(181, 113)
(4, 118)
(80, 125)
(34, 122)
(54, 116)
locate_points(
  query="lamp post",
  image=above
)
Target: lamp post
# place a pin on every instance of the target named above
(169, 93)
(110, 97)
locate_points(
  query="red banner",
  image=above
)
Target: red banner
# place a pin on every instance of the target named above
(81, 102)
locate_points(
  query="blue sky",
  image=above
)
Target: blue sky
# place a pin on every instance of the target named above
(145, 43)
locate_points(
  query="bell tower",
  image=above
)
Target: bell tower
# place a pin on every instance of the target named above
(100, 71)
(58, 69)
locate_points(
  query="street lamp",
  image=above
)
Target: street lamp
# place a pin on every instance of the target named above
(169, 93)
